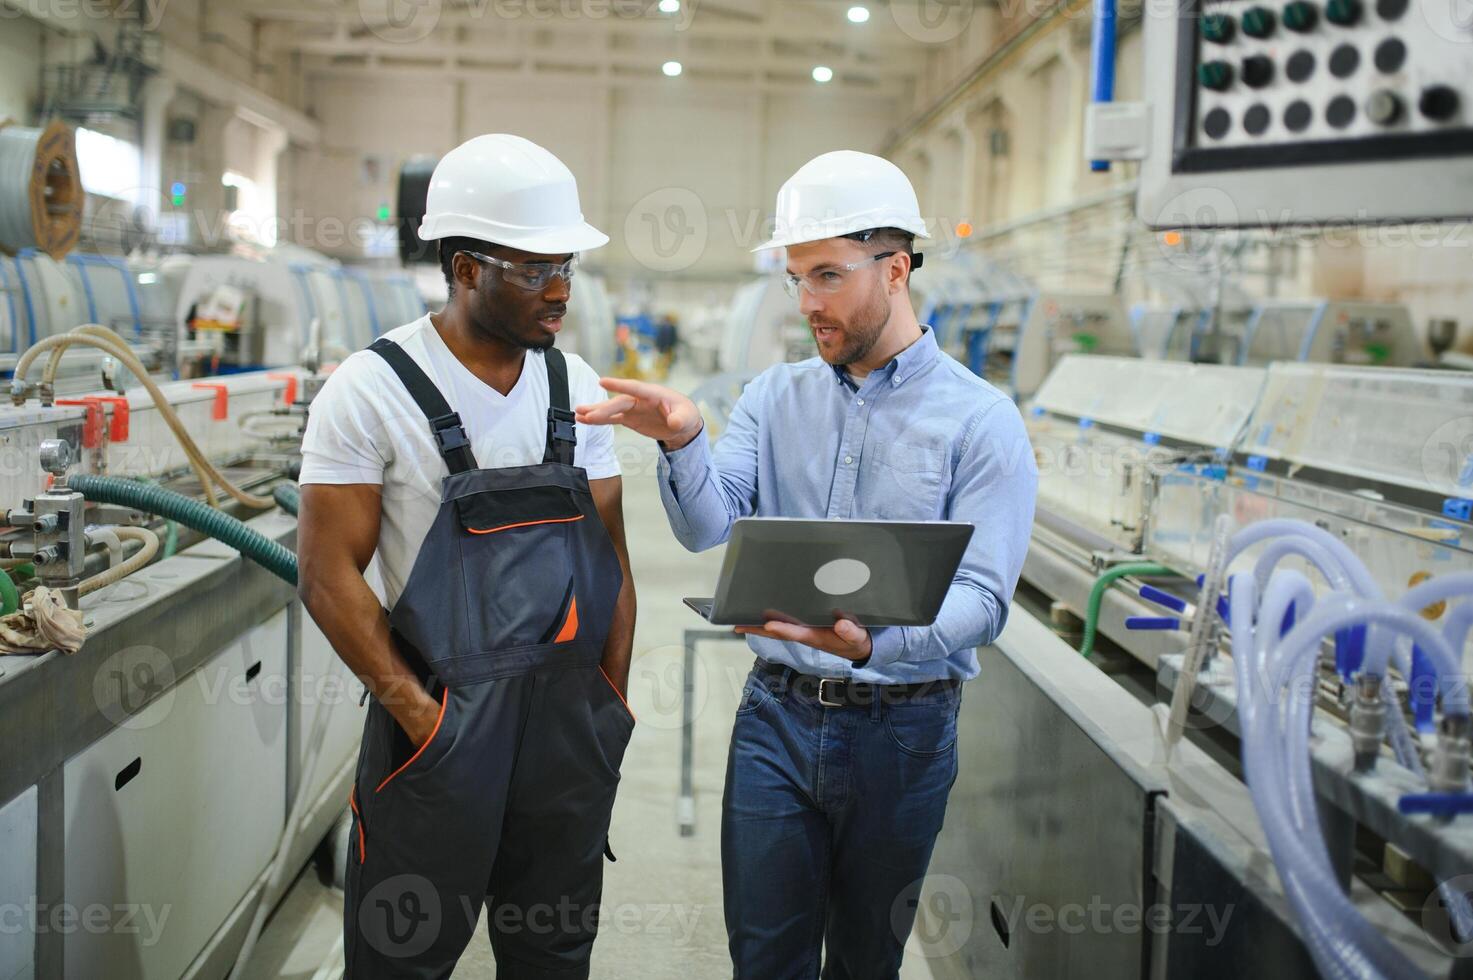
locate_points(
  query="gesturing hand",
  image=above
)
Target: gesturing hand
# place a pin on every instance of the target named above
(649, 409)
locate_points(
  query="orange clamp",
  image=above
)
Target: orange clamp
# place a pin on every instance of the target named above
(289, 396)
(92, 424)
(222, 398)
(117, 430)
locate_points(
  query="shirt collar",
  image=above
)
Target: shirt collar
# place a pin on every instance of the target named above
(904, 365)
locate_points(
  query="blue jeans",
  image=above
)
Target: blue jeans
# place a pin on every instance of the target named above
(827, 826)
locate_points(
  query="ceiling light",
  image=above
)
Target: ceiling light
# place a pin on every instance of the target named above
(858, 14)
(672, 68)
(669, 6)
(823, 73)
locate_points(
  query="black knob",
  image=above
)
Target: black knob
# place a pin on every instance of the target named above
(1383, 107)
(1438, 102)
(1343, 13)
(1258, 71)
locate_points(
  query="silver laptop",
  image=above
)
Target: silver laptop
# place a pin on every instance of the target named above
(876, 573)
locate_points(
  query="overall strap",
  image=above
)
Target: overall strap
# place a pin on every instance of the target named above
(449, 432)
(562, 435)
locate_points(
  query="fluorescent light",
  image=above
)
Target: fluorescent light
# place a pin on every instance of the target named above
(147, 278)
(823, 73)
(672, 68)
(858, 14)
(669, 6)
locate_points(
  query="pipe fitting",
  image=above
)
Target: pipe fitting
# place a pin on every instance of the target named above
(1367, 721)
(1450, 759)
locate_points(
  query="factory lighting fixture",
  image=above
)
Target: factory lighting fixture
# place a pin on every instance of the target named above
(669, 6)
(823, 73)
(858, 14)
(672, 68)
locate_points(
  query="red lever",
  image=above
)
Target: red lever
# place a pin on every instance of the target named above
(222, 398)
(290, 395)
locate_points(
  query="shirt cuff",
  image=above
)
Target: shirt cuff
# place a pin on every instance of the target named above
(887, 646)
(688, 463)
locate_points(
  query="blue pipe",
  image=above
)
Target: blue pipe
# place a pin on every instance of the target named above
(1102, 62)
(25, 295)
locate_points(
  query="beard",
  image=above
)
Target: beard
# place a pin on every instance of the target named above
(489, 325)
(858, 336)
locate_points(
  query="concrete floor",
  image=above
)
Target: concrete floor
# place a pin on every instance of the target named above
(662, 898)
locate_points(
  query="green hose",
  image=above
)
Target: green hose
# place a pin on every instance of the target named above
(191, 513)
(288, 497)
(171, 528)
(1097, 595)
(9, 595)
(22, 572)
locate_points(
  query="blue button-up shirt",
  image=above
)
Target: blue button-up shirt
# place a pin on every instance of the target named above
(922, 438)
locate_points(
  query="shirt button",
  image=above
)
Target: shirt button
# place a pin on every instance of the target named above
(861, 401)
(848, 460)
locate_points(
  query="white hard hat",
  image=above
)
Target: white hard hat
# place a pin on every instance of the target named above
(508, 191)
(840, 193)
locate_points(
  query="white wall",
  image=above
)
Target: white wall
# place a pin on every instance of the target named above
(20, 67)
(681, 176)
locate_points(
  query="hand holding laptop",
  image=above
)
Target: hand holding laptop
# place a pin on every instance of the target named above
(846, 639)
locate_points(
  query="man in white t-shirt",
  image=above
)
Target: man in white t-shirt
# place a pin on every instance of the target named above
(447, 456)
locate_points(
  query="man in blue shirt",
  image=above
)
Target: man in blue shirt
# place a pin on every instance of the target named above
(835, 793)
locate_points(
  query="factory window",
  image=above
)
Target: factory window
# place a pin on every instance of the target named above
(109, 166)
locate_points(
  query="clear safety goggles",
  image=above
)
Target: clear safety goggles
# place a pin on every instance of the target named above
(828, 281)
(532, 276)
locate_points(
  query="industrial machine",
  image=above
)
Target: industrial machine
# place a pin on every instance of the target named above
(1131, 680)
(1271, 114)
(163, 777)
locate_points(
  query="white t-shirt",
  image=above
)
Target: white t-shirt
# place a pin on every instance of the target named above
(364, 428)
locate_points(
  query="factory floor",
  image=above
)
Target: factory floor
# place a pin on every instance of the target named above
(662, 898)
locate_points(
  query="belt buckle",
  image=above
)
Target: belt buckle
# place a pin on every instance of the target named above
(823, 700)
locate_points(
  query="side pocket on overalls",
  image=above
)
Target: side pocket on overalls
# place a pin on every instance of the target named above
(425, 757)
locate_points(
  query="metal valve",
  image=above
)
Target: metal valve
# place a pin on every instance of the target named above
(56, 456)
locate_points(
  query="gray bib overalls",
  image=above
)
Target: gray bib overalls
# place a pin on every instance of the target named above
(504, 615)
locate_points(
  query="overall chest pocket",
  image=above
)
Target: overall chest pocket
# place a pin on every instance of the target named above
(910, 482)
(517, 550)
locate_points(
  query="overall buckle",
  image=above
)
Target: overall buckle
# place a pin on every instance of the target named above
(560, 425)
(822, 698)
(449, 433)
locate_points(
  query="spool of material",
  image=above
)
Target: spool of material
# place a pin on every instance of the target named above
(40, 189)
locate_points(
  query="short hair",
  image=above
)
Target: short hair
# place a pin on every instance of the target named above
(450, 246)
(889, 240)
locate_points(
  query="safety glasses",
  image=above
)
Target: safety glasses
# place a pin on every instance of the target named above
(532, 276)
(830, 280)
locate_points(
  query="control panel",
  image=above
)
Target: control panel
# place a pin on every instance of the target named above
(1267, 112)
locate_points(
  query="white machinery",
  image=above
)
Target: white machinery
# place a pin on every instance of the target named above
(154, 773)
(588, 328)
(763, 327)
(1345, 491)
(289, 290)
